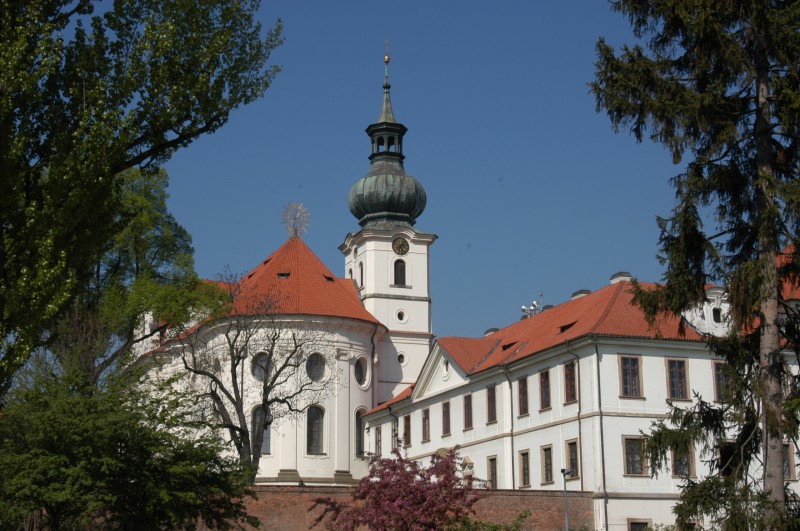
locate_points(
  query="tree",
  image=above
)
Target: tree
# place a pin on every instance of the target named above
(399, 493)
(116, 456)
(719, 81)
(253, 367)
(85, 96)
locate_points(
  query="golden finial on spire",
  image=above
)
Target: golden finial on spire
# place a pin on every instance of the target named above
(386, 57)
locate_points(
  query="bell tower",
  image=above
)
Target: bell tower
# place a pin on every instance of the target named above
(388, 258)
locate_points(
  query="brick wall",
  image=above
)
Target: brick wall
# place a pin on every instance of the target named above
(287, 508)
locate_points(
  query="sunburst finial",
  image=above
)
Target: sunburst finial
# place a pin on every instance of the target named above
(295, 218)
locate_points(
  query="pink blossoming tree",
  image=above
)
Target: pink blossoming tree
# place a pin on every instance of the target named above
(399, 493)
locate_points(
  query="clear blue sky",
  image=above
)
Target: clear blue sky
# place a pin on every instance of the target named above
(529, 189)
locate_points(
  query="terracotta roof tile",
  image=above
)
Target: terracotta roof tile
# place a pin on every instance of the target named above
(402, 396)
(608, 311)
(293, 281)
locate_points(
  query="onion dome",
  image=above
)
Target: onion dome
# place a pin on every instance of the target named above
(387, 196)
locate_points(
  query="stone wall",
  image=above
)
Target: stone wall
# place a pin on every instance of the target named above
(287, 508)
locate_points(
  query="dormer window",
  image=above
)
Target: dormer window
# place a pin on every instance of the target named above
(283, 275)
(399, 273)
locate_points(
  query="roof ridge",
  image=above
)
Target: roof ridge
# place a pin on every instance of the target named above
(607, 310)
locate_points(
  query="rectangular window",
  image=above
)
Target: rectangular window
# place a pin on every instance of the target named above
(525, 469)
(630, 377)
(522, 388)
(638, 525)
(446, 418)
(789, 471)
(572, 459)
(491, 404)
(544, 389)
(677, 385)
(635, 463)
(395, 434)
(468, 412)
(570, 386)
(407, 430)
(491, 472)
(683, 463)
(721, 381)
(426, 425)
(547, 464)
(378, 441)
(729, 460)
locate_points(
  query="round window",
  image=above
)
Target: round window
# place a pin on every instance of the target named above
(401, 358)
(315, 367)
(401, 315)
(360, 371)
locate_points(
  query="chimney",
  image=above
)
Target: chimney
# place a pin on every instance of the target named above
(620, 276)
(580, 293)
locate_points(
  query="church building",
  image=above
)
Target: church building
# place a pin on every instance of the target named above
(555, 401)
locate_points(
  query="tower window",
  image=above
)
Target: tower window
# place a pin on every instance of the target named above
(716, 314)
(399, 273)
(360, 275)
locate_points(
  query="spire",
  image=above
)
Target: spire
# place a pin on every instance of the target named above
(387, 115)
(387, 196)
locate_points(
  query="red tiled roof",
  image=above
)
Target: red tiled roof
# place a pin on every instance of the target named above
(402, 396)
(608, 311)
(293, 281)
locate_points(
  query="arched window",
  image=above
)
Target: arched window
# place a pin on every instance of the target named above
(350, 272)
(360, 433)
(399, 273)
(265, 440)
(315, 423)
(360, 275)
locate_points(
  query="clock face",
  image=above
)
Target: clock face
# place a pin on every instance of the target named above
(400, 246)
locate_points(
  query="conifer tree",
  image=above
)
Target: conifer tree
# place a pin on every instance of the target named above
(717, 83)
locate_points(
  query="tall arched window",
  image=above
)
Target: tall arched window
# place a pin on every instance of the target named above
(266, 443)
(315, 423)
(360, 433)
(399, 273)
(360, 275)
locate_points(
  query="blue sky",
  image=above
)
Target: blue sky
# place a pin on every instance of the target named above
(529, 189)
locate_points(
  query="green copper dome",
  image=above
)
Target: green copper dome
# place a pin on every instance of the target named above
(387, 196)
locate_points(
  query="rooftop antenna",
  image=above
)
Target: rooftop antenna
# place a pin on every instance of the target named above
(535, 307)
(295, 218)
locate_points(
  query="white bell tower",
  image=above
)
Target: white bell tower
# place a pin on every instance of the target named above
(388, 258)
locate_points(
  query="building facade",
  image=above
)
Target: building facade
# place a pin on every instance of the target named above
(557, 400)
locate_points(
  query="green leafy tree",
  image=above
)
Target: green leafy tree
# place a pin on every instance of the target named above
(84, 96)
(717, 82)
(115, 456)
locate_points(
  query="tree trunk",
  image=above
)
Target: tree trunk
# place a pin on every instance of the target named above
(770, 360)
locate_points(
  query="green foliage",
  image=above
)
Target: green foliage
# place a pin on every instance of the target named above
(468, 524)
(85, 96)
(114, 456)
(717, 82)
